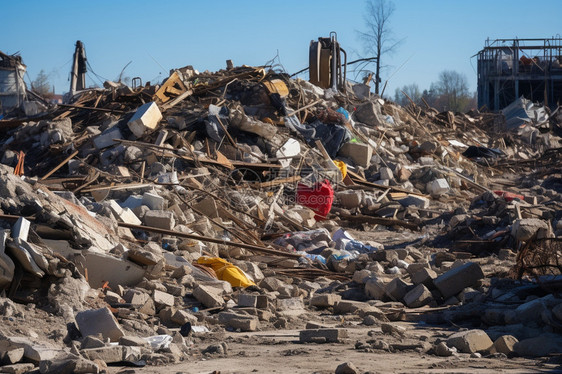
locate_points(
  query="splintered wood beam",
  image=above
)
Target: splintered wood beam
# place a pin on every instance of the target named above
(60, 165)
(250, 247)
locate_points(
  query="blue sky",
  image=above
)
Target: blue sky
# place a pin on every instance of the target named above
(159, 36)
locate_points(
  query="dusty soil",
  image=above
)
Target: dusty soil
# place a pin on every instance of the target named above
(280, 352)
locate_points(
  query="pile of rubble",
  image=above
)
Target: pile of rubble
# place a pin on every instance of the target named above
(135, 221)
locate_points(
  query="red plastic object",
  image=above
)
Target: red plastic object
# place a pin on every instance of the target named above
(318, 198)
(509, 196)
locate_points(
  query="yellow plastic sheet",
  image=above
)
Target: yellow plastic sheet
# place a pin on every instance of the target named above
(342, 166)
(226, 271)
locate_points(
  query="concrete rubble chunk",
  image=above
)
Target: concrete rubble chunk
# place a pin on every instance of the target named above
(418, 296)
(347, 368)
(145, 119)
(163, 298)
(105, 139)
(109, 355)
(504, 344)
(424, 276)
(21, 229)
(99, 321)
(396, 289)
(153, 201)
(470, 341)
(539, 346)
(457, 279)
(360, 153)
(238, 321)
(7, 266)
(524, 229)
(17, 368)
(133, 341)
(12, 356)
(438, 187)
(325, 300)
(322, 335)
(161, 219)
(293, 306)
(208, 296)
(103, 268)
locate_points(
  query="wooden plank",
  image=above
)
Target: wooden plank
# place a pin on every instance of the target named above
(60, 165)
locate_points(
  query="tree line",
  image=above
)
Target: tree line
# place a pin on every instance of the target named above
(450, 92)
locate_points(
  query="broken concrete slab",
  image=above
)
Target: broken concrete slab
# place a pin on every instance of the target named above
(163, 298)
(104, 268)
(208, 296)
(524, 229)
(540, 346)
(21, 229)
(99, 321)
(457, 279)
(322, 336)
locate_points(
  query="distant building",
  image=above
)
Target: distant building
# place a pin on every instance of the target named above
(12, 86)
(511, 68)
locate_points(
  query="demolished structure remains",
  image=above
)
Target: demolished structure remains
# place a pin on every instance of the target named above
(513, 68)
(245, 215)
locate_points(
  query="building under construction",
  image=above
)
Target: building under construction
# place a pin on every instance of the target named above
(511, 68)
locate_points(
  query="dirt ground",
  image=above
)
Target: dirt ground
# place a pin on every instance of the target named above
(280, 352)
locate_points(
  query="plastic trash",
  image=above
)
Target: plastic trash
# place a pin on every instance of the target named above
(158, 342)
(318, 198)
(226, 271)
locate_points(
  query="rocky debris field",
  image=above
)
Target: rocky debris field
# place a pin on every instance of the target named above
(242, 221)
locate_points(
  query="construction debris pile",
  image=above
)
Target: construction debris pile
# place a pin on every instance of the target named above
(137, 221)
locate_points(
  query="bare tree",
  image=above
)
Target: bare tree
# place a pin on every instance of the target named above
(41, 85)
(378, 35)
(452, 87)
(413, 92)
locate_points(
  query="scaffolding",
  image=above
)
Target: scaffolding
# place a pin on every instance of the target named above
(511, 68)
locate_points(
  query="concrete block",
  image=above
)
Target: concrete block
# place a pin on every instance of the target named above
(290, 307)
(125, 215)
(91, 342)
(105, 139)
(247, 300)
(160, 218)
(360, 153)
(396, 289)
(470, 341)
(181, 317)
(457, 279)
(418, 296)
(145, 119)
(504, 344)
(163, 298)
(351, 307)
(153, 201)
(99, 321)
(386, 173)
(424, 276)
(237, 321)
(349, 199)
(208, 296)
(375, 288)
(21, 229)
(438, 187)
(322, 336)
(325, 300)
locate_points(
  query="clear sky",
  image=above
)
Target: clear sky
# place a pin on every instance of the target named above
(160, 35)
